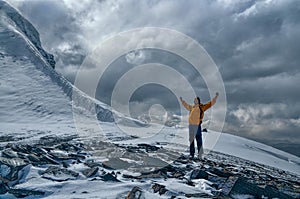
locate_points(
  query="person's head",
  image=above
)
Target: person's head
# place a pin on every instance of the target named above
(197, 100)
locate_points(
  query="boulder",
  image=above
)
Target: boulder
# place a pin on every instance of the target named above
(116, 163)
(33, 158)
(90, 172)
(110, 177)
(12, 170)
(148, 147)
(220, 172)
(135, 193)
(9, 154)
(161, 189)
(59, 174)
(273, 192)
(91, 164)
(149, 161)
(49, 160)
(199, 174)
(3, 188)
(243, 187)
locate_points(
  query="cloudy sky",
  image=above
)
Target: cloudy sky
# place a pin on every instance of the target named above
(255, 45)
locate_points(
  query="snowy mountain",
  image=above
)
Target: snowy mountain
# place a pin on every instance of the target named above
(37, 131)
(34, 97)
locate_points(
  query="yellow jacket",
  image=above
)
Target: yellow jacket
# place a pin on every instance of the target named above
(194, 117)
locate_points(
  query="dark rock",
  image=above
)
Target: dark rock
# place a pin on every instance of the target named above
(169, 168)
(49, 160)
(33, 158)
(190, 183)
(22, 155)
(59, 174)
(197, 195)
(24, 148)
(90, 172)
(69, 147)
(3, 188)
(272, 192)
(218, 181)
(60, 156)
(22, 193)
(92, 164)
(199, 174)
(228, 185)
(50, 141)
(65, 164)
(129, 176)
(48, 149)
(219, 172)
(9, 154)
(116, 163)
(161, 189)
(154, 174)
(7, 138)
(12, 169)
(77, 156)
(135, 193)
(154, 162)
(39, 151)
(110, 177)
(241, 186)
(178, 174)
(182, 161)
(148, 147)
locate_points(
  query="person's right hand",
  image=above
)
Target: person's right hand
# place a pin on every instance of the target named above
(217, 94)
(180, 98)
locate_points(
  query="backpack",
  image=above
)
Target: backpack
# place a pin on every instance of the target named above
(201, 113)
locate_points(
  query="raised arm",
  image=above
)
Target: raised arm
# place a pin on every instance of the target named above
(211, 103)
(186, 105)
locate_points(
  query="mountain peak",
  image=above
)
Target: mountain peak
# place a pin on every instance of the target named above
(27, 29)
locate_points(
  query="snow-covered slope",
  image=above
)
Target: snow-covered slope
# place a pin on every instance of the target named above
(257, 152)
(31, 103)
(36, 101)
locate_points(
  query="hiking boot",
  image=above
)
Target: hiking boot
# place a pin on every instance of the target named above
(191, 157)
(200, 156)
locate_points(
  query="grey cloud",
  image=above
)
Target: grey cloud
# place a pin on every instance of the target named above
(254, 43)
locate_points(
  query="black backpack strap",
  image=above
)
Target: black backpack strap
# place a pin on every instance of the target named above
(201, 113)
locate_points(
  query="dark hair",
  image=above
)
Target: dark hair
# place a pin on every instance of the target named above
(198, 98)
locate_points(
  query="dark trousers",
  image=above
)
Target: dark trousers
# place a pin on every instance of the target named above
(195, 132)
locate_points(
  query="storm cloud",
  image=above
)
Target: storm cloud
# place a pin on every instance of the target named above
(255, 44)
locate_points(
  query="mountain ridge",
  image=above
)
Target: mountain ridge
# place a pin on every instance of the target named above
(27, 29)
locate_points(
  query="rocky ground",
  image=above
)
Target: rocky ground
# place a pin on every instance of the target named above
(217, 175)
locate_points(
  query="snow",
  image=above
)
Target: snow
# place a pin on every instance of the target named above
(35, 101)
(242, 196)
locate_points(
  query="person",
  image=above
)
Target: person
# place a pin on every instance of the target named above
(195, 119)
